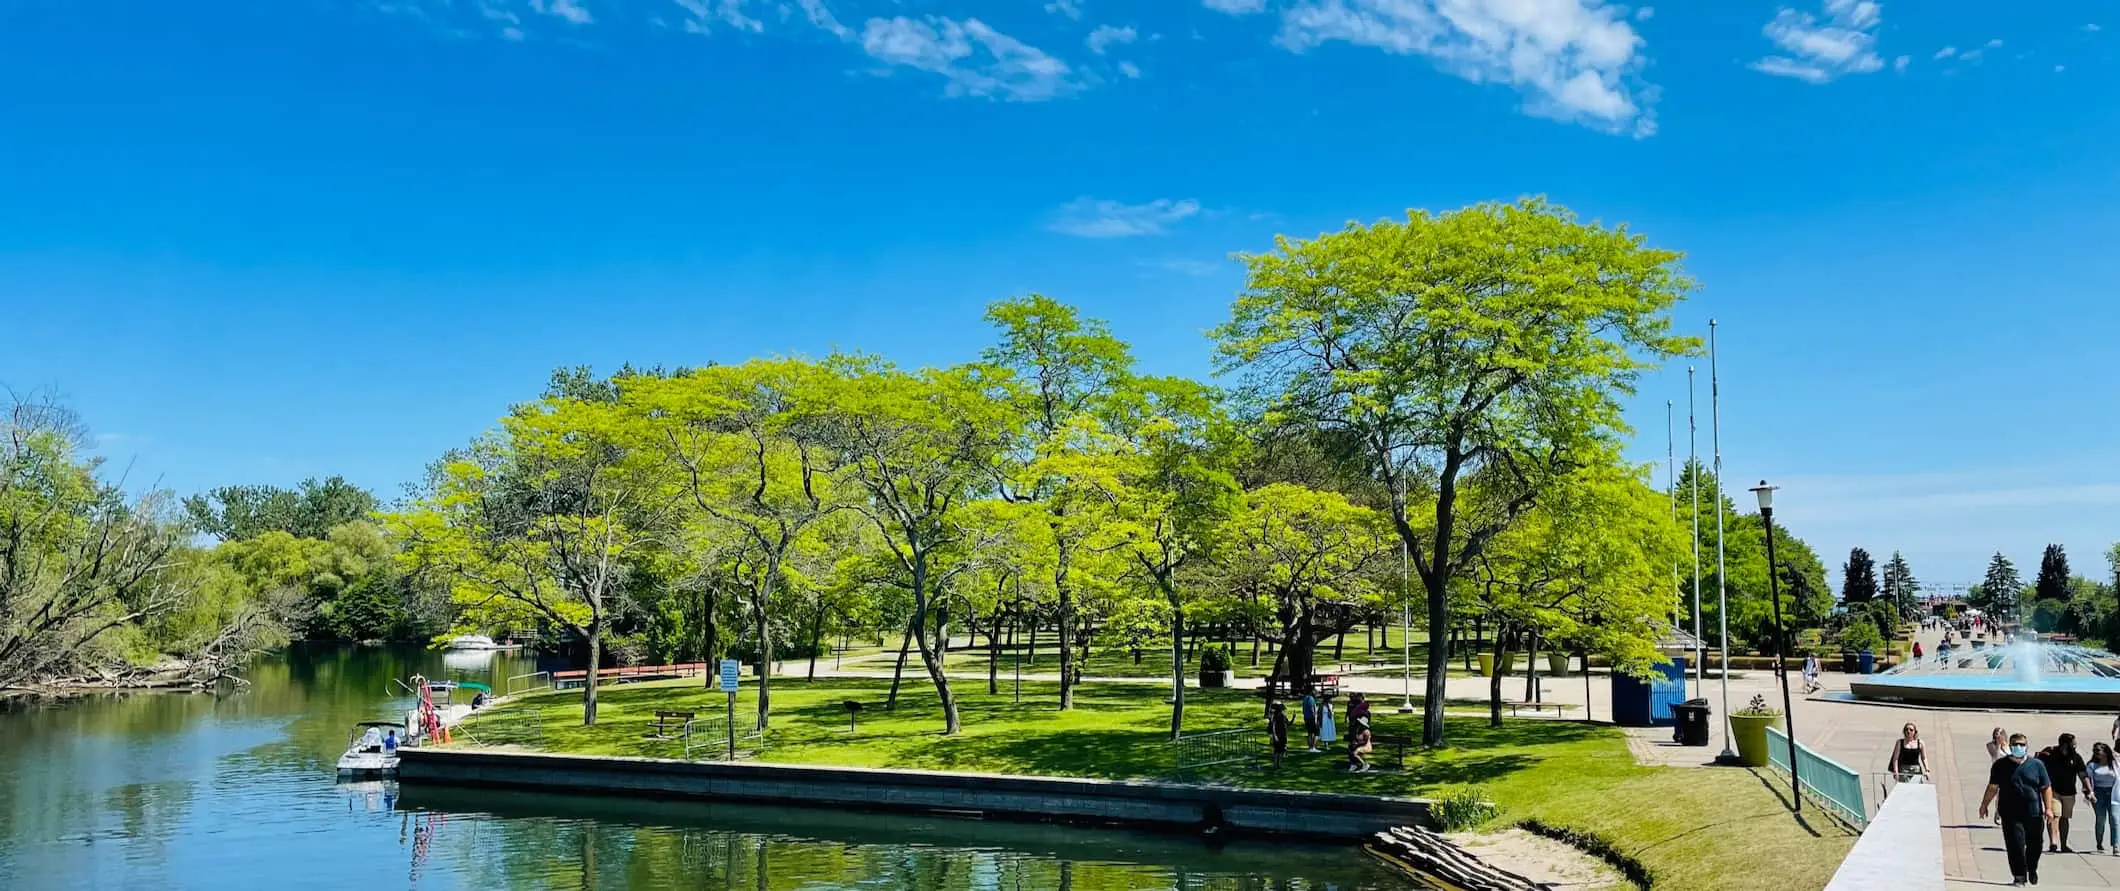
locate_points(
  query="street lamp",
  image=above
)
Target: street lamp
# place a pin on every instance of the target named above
(1781, 638)
(1406, 623)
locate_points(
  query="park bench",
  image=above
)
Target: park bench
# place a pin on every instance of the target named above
(1559, 708)
(1320, 684)
(1396, 743)
(663, 720)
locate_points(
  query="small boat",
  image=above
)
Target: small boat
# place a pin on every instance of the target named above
(368, 756)
(478, 642)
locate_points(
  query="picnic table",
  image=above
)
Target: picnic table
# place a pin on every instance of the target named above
(663, 719)
(1397, 743)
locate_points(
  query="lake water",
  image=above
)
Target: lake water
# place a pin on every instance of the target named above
(170, 791)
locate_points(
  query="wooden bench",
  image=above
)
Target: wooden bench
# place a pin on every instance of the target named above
(1320, 684)
(661, 724)
(1397, 743)
(1558, 708)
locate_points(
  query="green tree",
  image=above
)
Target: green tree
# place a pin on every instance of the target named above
(1061, 371)
(1313, 558)
(1999, 589)
(311, 510)
(2052, 581)
(1858, 579)
(1498, 338)
(1900, 587)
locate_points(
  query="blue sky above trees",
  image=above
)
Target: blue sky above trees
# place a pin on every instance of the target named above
(256, 242)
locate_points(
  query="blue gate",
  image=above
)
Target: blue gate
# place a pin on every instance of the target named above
(1639, 703)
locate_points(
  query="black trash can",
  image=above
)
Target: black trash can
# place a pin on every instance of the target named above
(1692, 720)
(1850, 662)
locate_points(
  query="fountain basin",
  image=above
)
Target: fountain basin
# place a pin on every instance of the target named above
(2019, 675)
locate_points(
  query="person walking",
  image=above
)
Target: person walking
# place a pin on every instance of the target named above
(1998, 744)
(2023, 796)
(2064, 766)
(1909, 760)
(1277, 730)
(1327, 731)
(2099, 778)
(1810, 673)
(1310, 719)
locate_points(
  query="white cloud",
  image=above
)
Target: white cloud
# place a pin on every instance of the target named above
(1974, 54)
(562, 9)
(1945, 53)
(1645, 13)
(976, 60)
(700, 17)
(2092, 27)
(1194, 268)
(1069, 8)
(1819, 52)
(1130, 70)
(1900, 64)
(1574, 60)
(1103, 218)
(1235, 7)
(1106, 35)
(821, 17)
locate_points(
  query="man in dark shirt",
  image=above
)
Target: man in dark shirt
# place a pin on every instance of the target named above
(2064, 766)
(2024, 794)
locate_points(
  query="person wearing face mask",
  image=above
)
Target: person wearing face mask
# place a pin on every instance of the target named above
(2023, 793)
(2064, 767)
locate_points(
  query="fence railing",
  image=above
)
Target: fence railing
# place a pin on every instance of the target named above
(1214, 748)
(1825, 781)
(536, 680)
(707, 739)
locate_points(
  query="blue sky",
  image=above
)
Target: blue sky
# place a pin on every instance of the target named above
(257, 240)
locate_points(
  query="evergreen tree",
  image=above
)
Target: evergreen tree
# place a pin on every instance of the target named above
(1899, 585)
(2052, 583)
(1858, 579)
(1999, 588)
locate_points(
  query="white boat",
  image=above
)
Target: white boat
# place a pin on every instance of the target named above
(369, 755)
(478, 642)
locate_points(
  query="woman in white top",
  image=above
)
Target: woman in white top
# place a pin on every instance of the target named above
(2099, 779)
(1909, 761)
(1998, 745)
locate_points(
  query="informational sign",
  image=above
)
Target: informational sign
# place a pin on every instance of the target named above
(728, 675)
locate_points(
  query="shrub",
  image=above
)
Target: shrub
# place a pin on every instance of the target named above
(1861, 636)
(1759, 708)
(1213, 659)
(1462, 808)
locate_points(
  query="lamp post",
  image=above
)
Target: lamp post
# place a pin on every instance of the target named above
(1781, 638)
(1406, 623)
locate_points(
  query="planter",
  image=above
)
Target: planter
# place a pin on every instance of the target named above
(1210, 680)
(1487, 664)
(1557, 664)
(1751, 733)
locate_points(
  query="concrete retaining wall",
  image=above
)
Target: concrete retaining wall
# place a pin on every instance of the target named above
(1901, 849)
(1053, 799)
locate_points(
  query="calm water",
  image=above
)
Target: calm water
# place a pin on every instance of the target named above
(197, 792)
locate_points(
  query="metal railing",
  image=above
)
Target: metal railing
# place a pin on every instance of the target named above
(1826, 782)
(707, 739)
(1193, 751)
(508, 686)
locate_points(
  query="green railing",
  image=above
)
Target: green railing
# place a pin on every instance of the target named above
(1825, 781)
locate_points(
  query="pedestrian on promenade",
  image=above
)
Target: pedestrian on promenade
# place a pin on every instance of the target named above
(2102, 776)
(2023, 796)
(1810, 676)
(2064, 766)
(1310, 719)
(1909, 761)
(1998, 744)
(1277, 730)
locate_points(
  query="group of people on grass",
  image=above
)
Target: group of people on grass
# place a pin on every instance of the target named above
(2032, 796)
(1319, 726)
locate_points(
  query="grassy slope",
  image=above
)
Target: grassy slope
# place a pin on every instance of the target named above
(1697, 829)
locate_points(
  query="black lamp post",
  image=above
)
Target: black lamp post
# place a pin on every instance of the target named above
(1781, 638)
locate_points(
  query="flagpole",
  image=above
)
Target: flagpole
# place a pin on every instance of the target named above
(1722, 599)
(1700, 652)
(1671, 486)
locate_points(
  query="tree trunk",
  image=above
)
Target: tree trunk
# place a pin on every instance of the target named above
(1438, 661)
(1494, 680)
(596, 652)
(927, 653)
(1339, 646)
(816, 638)
(898, 674)
(710, 638)
(765, 657)
(993, 655)
(1177, 663)
(1066, 622)
(1531, 691)
(1255, 648)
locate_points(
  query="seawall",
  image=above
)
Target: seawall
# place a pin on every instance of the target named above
(1138, 804)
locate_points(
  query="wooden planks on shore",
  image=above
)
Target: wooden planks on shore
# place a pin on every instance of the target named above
(1433, 861)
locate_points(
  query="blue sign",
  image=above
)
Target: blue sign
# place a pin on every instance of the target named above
(728, 675)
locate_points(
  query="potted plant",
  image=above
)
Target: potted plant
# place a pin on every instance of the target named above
(1487, 664)
(1557, 663)
(1214, 667)
(1749, 725)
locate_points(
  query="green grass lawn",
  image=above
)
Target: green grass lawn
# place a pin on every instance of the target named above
(1695, 828)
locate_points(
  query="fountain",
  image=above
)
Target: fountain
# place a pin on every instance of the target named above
(2025, 674)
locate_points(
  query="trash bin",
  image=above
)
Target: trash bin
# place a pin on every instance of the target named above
(1865, 662)
(1692, 720)
(1849, 663)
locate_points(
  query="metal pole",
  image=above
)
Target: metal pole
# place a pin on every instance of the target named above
(1700, 652)
(1722, 597)
(1781, 664)
(1671, 486)
(732, 725)
(1406, 622)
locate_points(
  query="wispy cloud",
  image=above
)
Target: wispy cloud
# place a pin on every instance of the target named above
(1645, 13)
(1974, 54)
(1574, 60)
(1945, 53)
(1818, 52)
(1130, 70)
(1068, 8)
(1900, 64)
(1193, 268)
(1103, 218)
(2092, 27)
(974, 59)
(1235, 7)
(1105, 36)
(567, 10)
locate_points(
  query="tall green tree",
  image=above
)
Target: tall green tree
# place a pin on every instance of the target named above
(2052, 581)
(2000, 588)
(1061, 373)
(311, 510)
(1900, 587)
(1495, 339)
(1313, 558)
(1858, 579)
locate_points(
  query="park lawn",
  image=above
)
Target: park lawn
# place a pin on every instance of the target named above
(1695, 828)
